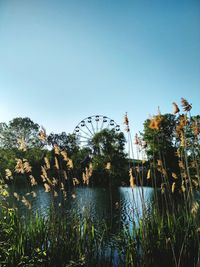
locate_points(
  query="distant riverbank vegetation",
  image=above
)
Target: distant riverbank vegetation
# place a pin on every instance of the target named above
(167, 234)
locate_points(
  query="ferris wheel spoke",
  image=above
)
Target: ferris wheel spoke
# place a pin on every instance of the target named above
(82, 136)
(89, 130)
(108, 126)
(85, 143)
(102, 125)
(97, 128)
(97, 122)
(105, 119)
(93, 128)
(85, 133)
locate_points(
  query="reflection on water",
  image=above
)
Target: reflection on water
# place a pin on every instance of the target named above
(134, 202)
(120, 204)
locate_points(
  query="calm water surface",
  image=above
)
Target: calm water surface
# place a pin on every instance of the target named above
(116, 204)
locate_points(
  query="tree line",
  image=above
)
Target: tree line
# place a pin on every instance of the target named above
(161, 139)
(19, 139)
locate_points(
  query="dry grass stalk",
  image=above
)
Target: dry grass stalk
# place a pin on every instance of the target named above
(47, 187)
(149, 174)
(42, 134)
(16, 195)
(47, 163)
(162, 187)
(34, 194)
(62, 187)
(195, 183)
(44, 175)
(27, 166)
(32, 180)
(70, 164)
(173, 187)
(87, 174)
(75, 181)
(155, 122)
(181, 165)
(126, 122)
(56, 163)
(26, 202)
(8, 174)
(65, 175)
(132, 178)
(64, 194)
(73, 195)
(22, 166)
(175, 108)
(56, 149)
(19, 168)
(54, 181)
(22, 144)
(136, 139)
(195, 208)
(108, 166)
(55, 194)
(64, 155)
(195, 128)
(174, 175)
(186, 106)
(183, 189)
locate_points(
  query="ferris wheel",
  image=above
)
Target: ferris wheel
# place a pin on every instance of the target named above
(88, 127)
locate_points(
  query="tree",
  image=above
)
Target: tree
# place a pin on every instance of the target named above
(19, 139)
(108, 147)
(19, 132)
(161, 139)
(65, 141)
(164, 134)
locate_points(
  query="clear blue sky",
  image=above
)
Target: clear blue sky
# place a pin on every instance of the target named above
(61, 61)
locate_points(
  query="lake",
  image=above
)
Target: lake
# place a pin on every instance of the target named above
(114, 205)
